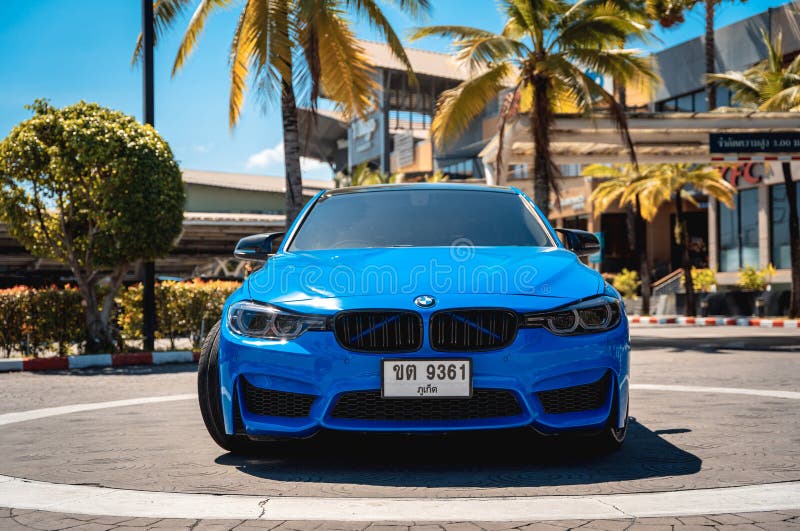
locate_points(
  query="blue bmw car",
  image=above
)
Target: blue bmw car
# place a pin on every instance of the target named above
(418, 308)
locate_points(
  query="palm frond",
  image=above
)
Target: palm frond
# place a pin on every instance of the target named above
(458, 106)
(194, 29)
(164, 14)
(372, 12)
(346, 72)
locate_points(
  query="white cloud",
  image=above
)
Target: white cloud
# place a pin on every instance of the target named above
(267, 157)
(271, 160)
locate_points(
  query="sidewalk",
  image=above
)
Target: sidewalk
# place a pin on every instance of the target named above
(777, 322)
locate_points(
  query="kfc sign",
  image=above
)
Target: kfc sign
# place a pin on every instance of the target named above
(744, 175)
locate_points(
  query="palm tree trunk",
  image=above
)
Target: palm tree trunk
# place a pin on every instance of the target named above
(711, 94)
(686, 263)
(541, 121)
(644, 263)
(291, 149)
(794, 240)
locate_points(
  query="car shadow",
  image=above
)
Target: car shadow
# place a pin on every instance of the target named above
(489, 459)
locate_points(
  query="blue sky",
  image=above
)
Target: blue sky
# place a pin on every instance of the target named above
(67, 51)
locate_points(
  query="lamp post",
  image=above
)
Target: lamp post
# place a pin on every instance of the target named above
(148, 282)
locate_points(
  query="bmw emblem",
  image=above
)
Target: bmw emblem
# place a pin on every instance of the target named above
(425, 301)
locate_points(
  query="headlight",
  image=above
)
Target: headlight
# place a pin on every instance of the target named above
(586, 317)
(252, 319)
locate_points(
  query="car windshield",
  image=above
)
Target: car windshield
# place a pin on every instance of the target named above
(417, 217)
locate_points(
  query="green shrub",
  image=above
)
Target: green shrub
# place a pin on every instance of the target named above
(751, 279)
(183, 309)
(36, 320)
(627, 283)
(754, 279)
(703, 279)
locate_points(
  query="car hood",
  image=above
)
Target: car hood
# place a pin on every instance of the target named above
(533, 278)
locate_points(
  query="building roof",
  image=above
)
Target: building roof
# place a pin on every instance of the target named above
(422, 61)
(256, 183)
(657, 137)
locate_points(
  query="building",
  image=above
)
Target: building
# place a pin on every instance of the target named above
(396, 136)
(756, 231)
(674, 127)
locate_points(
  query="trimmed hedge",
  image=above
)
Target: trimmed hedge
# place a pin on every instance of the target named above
(184, 309)
(35, 321)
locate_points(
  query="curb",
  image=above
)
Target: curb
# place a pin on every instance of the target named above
(98, 361)
(716, 321)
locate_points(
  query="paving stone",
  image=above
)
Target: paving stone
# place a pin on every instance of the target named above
(764, 517)
(693, 527)
(730, 519)
(216, 525)
(461, 526)
(661, 520)
(90, 527)
(139, 522)
(501, 526)
(697, 520)
(383, 527)
(43, 520)
(544, 526)
(608, 525)
(740, 527)
(298, 525)
(343, 526)
(174, 523)
(9, 524)
(4, 512)
(649, 527)
(428, 527)
(110, 520)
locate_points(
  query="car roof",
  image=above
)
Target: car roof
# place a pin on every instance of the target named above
(420, 186)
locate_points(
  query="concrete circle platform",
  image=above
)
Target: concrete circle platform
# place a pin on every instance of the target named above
(714, 430)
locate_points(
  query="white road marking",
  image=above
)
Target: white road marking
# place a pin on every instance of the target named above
(718, 390)
(37, 495)
(33, 414)
(82, 499)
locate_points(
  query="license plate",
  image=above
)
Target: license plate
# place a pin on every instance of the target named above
(450, 378)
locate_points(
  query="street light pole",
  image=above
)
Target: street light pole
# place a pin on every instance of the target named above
(148, 282)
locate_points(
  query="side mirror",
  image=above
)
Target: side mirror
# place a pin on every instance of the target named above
(579, 242)
(257, 247)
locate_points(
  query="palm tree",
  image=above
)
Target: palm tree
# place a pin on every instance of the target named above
(772, 86)
(614, 189)
(542, 55)
(674, 182)
(291, 47)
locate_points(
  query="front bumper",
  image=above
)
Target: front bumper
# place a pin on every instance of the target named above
(315, 365)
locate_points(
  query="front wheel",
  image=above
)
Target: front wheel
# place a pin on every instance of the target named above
(209, 395)
(611, 438)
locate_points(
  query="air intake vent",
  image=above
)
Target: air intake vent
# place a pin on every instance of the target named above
(379, 331)
(369, 405)
(271, 403)
(472, 330)
(578, 398)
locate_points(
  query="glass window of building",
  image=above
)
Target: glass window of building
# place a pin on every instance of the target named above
(700, 102)
(738, 232)
(517, 171)
(685, 103)
(779, 230)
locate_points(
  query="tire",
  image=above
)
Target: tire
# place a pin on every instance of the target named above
(612, 438)
(209, 395)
